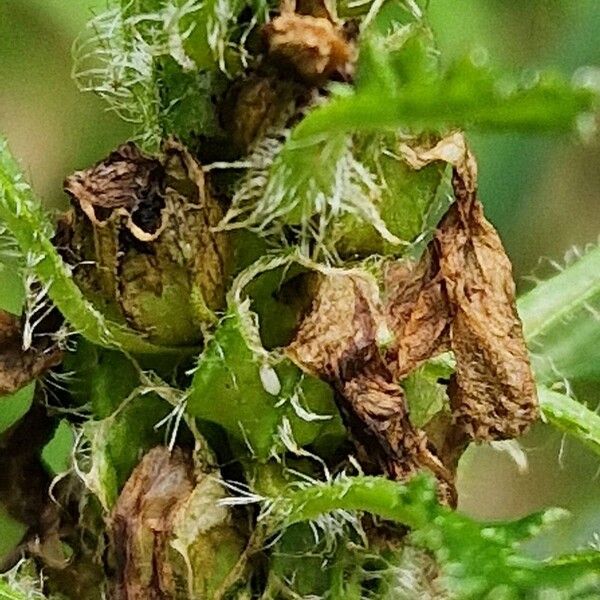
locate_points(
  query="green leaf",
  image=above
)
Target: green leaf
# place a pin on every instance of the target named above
(12, 288)
(56, 454)
(570, 417)
(253, 400)
(561, 322)
(124, 420)
(467, 95)
(305, 567)
(32, 230)
(400, 84)
(187, 100)
(412, 504)
(12, 295)
(425, 396)
(9, 593)
(24, 582)
(15, 406)
(119, 441)
(159, 63)
(101, 378)
(211, 43)
(478, 560)
(11, 534)
(404, 201)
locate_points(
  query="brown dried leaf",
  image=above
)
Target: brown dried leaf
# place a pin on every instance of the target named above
(338, 336)
(338, 341)
(142, 521)
(417, 311)
(17, 366)
(459, 296)
(466, 266)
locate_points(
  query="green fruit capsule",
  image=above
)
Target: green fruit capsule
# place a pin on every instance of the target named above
(140, 240)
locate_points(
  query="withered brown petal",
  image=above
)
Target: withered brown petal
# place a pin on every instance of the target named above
(338, 341)
(17, 366)
(127, 179)
(142, 521)
(494, 396)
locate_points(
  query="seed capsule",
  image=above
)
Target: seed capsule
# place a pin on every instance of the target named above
(141, 242)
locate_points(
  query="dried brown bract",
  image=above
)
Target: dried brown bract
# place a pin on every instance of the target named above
(127, 183)
(459, 297)
(170, 537)
(140, 237)
(338, 340)
(18, 366)
(142, 522)
(467, 295)
(256, 105)
(309, 41)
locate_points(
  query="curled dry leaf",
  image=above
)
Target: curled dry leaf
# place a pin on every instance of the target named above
(127, 183)
(417, 312)
(142, 522)
(338, 340)
(141, 241)
(169, 535)
(459, 296)
(18, 366)
(308, 40)
(467, 294)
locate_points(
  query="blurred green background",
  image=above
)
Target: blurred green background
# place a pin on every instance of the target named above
(541, 192)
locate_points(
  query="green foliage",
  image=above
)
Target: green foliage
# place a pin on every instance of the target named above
(424, 394)
(571, 417)
(334, 187)
(478, 560)
(13, 532)
(158, 63)
(56, 454)
(341, 164)
(561, 321)
(14, 406)
(117, 443)
(401, 85)
(7, 593)
(12, 288)
(466, 94)
(262, 405)
(22, 582)
(129, 57)
(124, 423)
